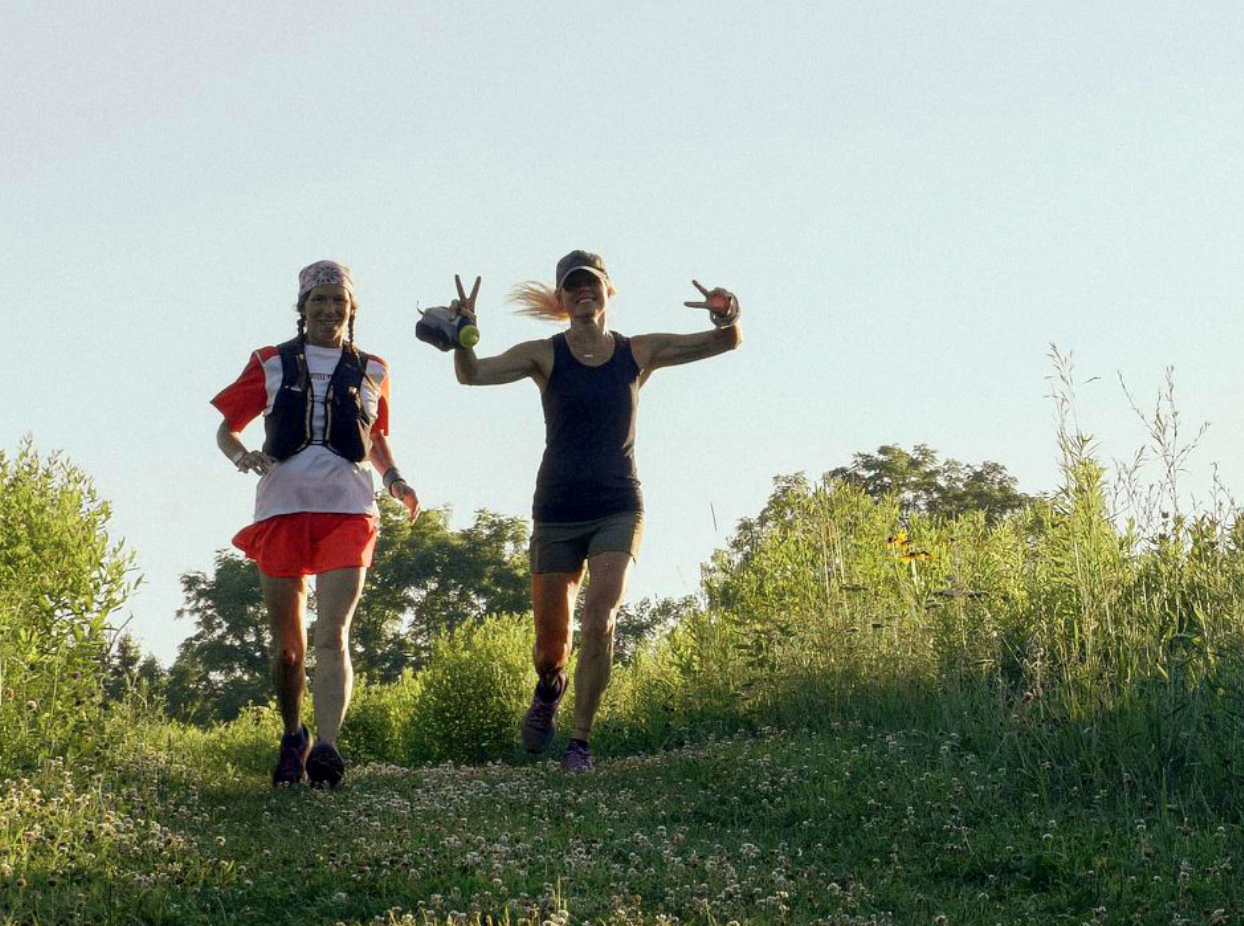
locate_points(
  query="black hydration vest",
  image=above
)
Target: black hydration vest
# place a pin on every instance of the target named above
(347, 426)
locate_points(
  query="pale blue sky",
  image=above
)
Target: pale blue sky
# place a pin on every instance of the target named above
(912, 201)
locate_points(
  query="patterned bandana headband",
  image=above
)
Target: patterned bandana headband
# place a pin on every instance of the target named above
(324, 271)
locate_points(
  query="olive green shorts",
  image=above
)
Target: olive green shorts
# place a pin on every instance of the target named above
(564, 546)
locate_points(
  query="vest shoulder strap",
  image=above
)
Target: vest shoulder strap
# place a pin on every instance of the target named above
(293, 363)
(354, 364)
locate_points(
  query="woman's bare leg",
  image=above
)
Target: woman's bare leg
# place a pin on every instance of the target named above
(337, 593)
(286, 600)
(552, 603)
(607, 577)
(552, 600)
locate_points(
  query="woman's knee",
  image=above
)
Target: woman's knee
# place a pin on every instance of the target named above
(289, 657)
(606, 586)
(332, 636)
(596, 622)
(551, 655)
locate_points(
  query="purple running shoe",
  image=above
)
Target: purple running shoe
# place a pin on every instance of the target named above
(537, 731)
(291, 762)
(578, 758)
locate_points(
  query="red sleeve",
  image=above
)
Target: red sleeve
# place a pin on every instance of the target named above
(246, 397)
(381, 424)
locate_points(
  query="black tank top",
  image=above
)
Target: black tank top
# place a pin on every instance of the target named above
(588, 470)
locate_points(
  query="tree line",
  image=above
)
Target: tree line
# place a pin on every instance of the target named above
(429, 578)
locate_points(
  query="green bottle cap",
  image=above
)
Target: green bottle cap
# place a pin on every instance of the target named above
(469, 336)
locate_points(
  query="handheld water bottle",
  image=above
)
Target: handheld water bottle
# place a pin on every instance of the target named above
(441, 328)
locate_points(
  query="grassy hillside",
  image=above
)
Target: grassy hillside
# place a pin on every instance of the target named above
(847, 826)
(874, 715)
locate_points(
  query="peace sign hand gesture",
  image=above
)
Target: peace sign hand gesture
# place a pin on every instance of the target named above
(464, 305)
(721, 303)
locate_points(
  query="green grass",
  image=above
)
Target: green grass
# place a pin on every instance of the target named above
(846, 826)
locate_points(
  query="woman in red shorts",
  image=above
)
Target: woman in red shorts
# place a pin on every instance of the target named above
(325, 405)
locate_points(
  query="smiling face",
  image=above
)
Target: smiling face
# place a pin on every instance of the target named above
(328, 309)
(583, 294)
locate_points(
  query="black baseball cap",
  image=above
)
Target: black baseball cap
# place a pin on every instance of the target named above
(581, 260)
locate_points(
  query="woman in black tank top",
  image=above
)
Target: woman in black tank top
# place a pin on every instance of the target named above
(588, 508)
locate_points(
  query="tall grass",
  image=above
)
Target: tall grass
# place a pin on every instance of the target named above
(1089, 652)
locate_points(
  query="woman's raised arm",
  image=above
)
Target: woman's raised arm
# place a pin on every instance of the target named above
(653, 351)
(527, 359)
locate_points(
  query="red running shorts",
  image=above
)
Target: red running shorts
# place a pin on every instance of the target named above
(309, 542)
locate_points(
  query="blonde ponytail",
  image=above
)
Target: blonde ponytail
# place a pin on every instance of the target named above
(538, 300)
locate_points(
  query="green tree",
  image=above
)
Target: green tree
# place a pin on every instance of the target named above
(61, 578)
(127, 670)
(646, 620)
(223, 666)
(427, 579)
(924, 485)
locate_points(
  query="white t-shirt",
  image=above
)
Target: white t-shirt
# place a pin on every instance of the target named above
(315, 478)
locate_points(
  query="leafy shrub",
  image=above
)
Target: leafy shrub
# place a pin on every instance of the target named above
(60, 579)
(640, 708)
(474, 690)
(381, 723)
(140, 740)
(248, 743)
